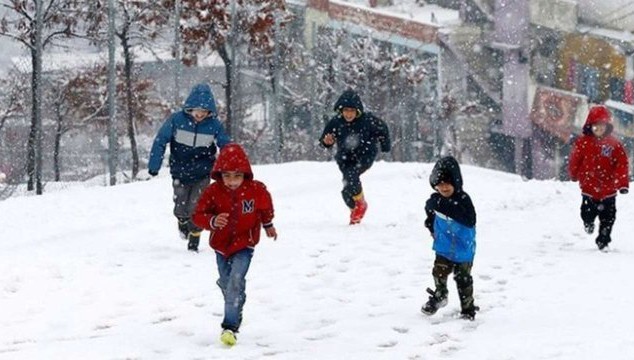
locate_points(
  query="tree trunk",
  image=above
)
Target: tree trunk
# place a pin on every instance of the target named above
(30, 156)
(130, 103)
(58, 140)
(222, 51)
(112, 88)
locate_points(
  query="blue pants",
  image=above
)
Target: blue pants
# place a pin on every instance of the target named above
(232, 283)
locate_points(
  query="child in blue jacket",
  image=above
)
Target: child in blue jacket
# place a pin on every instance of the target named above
(194, 133)
(451, 219)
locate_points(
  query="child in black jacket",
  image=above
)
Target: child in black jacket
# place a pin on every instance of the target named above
(358, 135)
(451, 220)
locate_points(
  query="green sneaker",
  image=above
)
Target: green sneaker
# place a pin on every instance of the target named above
(228, 337)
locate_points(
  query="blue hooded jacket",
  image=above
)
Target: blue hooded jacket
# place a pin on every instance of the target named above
(451, 220)
(192, 145)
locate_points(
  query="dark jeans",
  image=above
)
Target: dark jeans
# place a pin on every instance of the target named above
(185, 199)
(351, 172)
(604, 209)
(232, 283)
(462, 275)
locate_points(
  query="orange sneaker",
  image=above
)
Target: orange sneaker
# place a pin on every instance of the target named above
(360, 207)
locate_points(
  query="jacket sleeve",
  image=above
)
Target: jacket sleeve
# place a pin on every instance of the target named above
(575, 159)
(431, 215)
(329, 129)
(468, 210)
(163, 137)
(383, 134)
(204, 210)
(222, 138)
(265, 206)
(622, 173)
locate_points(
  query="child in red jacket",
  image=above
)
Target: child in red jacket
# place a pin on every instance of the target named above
(234, 208)
(599, 162)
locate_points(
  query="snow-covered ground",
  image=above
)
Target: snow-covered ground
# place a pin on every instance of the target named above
(100, 273)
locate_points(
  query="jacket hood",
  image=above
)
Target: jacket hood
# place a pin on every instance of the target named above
(598, 114)
(446, 169)
(232, 157)
(202, 97)
(349, 99)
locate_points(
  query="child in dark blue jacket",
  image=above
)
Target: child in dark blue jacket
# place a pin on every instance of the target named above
(358, 136)
(193, 135)
(451, 219)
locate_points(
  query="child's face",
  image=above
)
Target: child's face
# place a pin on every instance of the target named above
(445, 189)
(599, 129)
(349, 113)
(232, 179)
(198, 114)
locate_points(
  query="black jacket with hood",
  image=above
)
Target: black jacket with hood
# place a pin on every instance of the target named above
(459, 205)
(357, 141)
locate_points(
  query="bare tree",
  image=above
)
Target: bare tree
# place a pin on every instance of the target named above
(138, 23)
(224, 26)
(37, 24)
(13, 104)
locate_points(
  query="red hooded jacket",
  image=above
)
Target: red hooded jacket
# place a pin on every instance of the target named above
(599, 164)
(249, 206)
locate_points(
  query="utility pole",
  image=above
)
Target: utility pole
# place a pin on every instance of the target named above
(112, 136)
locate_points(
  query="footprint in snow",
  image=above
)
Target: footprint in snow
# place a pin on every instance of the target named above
(388, 344)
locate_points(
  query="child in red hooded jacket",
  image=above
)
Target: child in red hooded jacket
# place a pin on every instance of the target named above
(599, 162)
(234, 208)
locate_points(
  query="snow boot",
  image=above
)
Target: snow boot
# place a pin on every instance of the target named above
(360, 207)
(228, 337)
(183, 228)
(588, 227)
(193, 241)
(602, 242)
(469, 314)
(435, 302)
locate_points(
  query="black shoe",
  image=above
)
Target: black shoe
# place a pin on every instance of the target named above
(602, 242)
(469, 314)
(603, 246)
(183, 228)
(434, 303)
(193, 240)
(588, 227)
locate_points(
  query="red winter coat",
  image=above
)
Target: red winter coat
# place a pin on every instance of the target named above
(249, 206)
(599, 164)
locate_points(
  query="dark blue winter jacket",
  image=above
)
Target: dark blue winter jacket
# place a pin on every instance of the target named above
(451, 220)
(357, 141)
(192, 144)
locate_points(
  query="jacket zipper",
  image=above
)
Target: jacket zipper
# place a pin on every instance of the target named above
(195, 132)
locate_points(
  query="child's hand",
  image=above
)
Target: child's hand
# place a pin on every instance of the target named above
(329, 139)
(219, 221)
(271, 232)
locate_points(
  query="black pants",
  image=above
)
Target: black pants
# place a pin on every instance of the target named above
(606, 211)
(185, 199)
(461, 274)
(351, 172)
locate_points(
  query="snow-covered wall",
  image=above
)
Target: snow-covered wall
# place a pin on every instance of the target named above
(616, 14)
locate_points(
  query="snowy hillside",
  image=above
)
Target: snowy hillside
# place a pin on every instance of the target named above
(100, 273)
